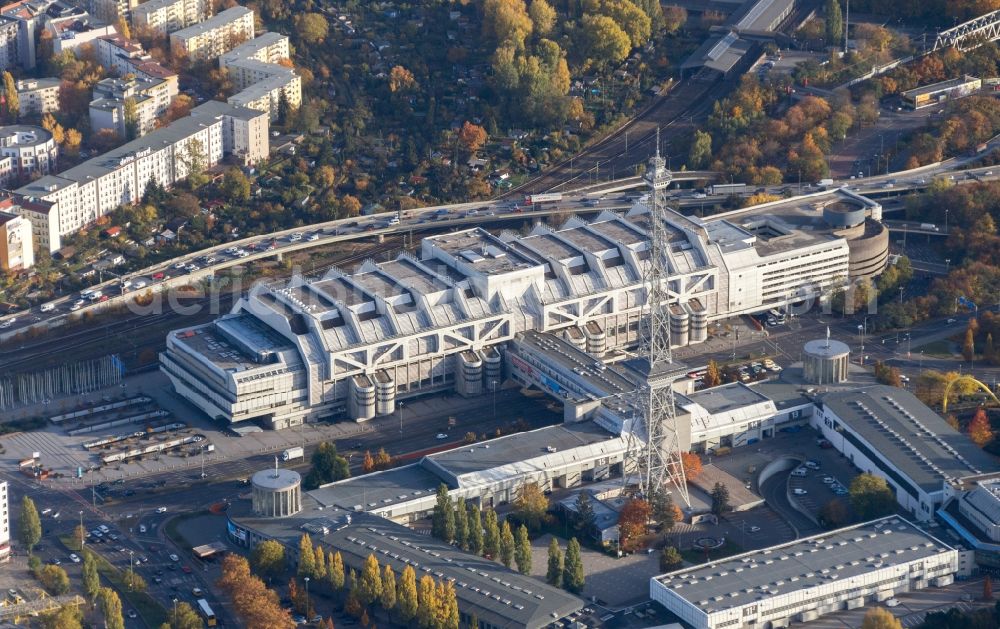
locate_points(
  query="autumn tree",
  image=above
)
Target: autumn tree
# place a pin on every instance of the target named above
(692, 465)
(712, 376)
(531, 505)
(370, 581)
(335, 570)
(180, 107)
(307, 558)
(427, 602)
(573, 578)
(969, 345)
(604, 40)
(383, 460)
(183, 616)
(554, 571)
(11, 102)
(632, 520)
(68, 616)
(406, 605)
(54, 579)
(387, 598)
(543, 17)
(472, 137)
(311, 27)
(833, 514)
(401, 80)
(111, 608)
(880, 618)
(506, 21)
(256, 606)
(980, 430)
(368, 463)
(235, 185)
(319, 563)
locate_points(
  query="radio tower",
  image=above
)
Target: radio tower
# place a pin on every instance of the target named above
(659, 461)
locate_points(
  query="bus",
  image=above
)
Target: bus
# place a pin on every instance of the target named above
(534, 199)
(206, 612)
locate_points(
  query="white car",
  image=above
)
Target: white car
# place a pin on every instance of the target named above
(174, 558)
(161, 509)
(754, 529)
(892, 602)
(139, 284)
(180, 265)
(8, 322)
(799, 492)
(74, 558)
(312, 237)
(295, 237)
(441, 435)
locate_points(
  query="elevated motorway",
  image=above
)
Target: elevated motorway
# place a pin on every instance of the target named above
(613, 195)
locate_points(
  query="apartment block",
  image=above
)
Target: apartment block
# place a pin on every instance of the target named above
(70, 32)
(255, 70)
(115, 53)
(25, 151)
(29, 16)
(215, 36)
(62, 204)
(38, 96)
(16, 251)
(109, 11)
(152, 97)
(9, 43)
(167, 16)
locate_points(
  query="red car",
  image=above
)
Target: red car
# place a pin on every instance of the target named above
(104, 298)
(158, 276)
(186, 569)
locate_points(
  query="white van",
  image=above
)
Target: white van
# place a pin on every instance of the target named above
(47, 307)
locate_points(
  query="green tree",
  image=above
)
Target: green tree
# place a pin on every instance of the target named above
(388, 595)
(663, 509)
(461, 524)
(475, 530)
(573, 579)
(506, 544)
(584, 520)
(235, 185)
(307, 560)
(522, 550)
(700, 156)
(12, 101)
(630, 18)
(506, 21)
(91, 578)
(133, 581)
(670, 559)
(443, 518)
(407, 596)
(554, 573)
(720, 499)
(111, 608)
(29, 530)
(268, 559)
(871, 496)
(370, 581)
(491, 538)
(312, 27)
(194, 161)
(834, 23)
(130, 116)
(183, 616)
(68, 616)
(327, 466)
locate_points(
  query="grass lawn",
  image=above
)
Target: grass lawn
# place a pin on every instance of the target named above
(939, 349)
(697, 556)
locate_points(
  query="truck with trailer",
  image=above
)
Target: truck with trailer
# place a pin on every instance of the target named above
(728, 188)
(550, 197)
(290, 454)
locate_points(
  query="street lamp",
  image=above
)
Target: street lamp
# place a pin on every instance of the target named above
(131, 570)
(493, 387)
(399, 413)
(861, 331)
(81, 530)
(307, 597)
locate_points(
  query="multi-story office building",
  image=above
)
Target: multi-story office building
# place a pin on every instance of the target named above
(417, 324)
(167, 16)
(807, 578)
(215, 36)
(151, 98)
(26, 151)
(255, 70)
(84, 193)
(38, 96)
(16, 250)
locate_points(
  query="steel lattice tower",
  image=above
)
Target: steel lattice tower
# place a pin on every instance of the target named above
(658, 460)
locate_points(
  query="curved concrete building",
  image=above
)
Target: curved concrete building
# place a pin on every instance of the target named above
(825, 361)
(276, 493)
